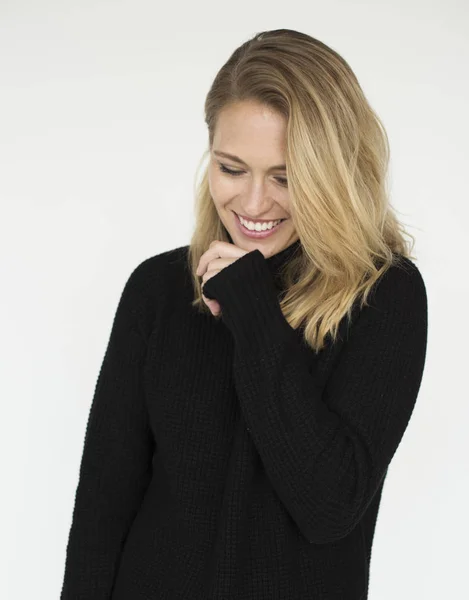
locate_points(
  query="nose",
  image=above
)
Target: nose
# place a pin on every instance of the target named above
(256, 201)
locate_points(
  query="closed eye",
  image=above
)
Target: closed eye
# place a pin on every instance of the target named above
(224, 169)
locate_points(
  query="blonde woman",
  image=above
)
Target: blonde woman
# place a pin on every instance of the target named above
(257, 382)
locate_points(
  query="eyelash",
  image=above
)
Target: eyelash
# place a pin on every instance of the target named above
(224, 169)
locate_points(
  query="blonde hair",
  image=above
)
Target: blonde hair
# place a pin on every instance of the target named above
(337, 156)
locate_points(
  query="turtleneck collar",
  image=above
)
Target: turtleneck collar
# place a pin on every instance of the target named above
(277, 261)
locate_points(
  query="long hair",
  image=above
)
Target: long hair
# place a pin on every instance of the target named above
(337, 155)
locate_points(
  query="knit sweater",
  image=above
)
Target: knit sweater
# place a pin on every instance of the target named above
(223, 458)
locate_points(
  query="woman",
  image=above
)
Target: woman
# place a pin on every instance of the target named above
(258, 382)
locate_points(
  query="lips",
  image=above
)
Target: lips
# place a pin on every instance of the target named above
(259, 220)
(257, 234)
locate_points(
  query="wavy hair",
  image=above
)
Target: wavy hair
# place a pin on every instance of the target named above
(337, 155)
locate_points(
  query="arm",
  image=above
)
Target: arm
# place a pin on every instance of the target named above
(116, 462)
(325, 451)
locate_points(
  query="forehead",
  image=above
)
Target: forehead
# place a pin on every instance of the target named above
(251, 132)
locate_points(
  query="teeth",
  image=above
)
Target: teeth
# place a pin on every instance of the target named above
(258, 226)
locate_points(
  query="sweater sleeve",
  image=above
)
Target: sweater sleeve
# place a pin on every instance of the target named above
(325, 449)
(117, 453)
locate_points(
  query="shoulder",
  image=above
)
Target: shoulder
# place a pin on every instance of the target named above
(155, 273)
(148, 291)
(401, 284)
(395, 309)
(399, 295)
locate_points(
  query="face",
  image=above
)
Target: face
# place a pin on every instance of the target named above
(251, 182)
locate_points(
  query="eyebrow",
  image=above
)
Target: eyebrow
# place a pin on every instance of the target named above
(241, 162)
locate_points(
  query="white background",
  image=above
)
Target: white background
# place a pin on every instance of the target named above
(101, 130)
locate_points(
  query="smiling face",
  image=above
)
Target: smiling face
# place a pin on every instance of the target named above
(256, 189)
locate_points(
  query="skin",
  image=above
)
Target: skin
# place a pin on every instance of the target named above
(256, 134)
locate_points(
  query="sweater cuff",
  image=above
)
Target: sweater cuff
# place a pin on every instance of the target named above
(249, 301)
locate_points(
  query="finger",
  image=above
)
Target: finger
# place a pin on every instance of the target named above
(213, 305)
(219, 250)
(207, 257)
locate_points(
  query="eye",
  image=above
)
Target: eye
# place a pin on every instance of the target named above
(224, 169)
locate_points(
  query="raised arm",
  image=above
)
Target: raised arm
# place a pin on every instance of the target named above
(327, 450)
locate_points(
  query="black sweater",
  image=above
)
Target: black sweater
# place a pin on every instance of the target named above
(222, 458)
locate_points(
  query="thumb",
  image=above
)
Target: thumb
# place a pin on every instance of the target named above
(213, 305)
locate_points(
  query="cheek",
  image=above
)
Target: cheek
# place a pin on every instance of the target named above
(213, 182)
(221, 189)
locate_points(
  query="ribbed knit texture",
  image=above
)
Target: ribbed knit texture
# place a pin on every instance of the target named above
(224, 459)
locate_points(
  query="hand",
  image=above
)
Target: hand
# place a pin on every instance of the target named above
(217, 257)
